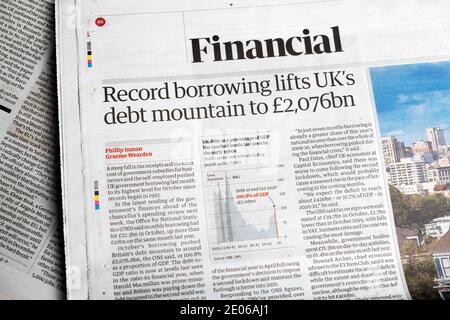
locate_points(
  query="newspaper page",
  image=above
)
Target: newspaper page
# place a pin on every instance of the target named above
(31, 244)
(255, 149)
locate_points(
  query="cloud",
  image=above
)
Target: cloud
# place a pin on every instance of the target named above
(411, 98)
(418, 109)
(403, 98)
(443, 98)
(396, 133)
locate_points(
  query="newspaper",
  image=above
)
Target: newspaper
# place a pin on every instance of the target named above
(31, 248)
(255, 150)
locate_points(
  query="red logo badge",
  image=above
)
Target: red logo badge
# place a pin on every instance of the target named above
(100, 22)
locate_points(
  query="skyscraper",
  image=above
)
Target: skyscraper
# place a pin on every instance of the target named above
(436, 137)
(393, 150)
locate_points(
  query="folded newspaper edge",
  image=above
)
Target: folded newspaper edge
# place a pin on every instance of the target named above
(31, 244)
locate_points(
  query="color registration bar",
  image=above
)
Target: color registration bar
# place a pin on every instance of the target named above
(96, 196)
(89, 53)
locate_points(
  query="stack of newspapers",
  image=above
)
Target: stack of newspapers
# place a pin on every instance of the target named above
(242, 149)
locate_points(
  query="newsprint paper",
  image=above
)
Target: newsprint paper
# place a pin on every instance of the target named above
(31, 248)
(255, 149)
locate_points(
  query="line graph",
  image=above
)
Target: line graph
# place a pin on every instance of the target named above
(233, 225)
(246, 214)
(245, 197)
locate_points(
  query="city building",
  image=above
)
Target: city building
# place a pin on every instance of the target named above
(444, 162)
(408, 152)
(428, 188)
(436, 137)
(424, 156)
(407, 172)
(443, 156)
(443, 189)
(437, 227)
(422, 147)
(393, 150)
(412, 234)
(441, 257)
(445, 151)
(438, 174)
(411, 189)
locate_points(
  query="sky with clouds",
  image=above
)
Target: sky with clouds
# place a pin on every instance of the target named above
(411, 98)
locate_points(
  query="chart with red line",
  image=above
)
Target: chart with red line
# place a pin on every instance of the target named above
(246, 211)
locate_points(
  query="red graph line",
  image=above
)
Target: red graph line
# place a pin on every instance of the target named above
(276, 223)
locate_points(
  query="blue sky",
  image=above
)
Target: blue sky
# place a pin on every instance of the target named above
(411, 98)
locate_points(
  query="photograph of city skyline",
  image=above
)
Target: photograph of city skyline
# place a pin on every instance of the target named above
(413, 107)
